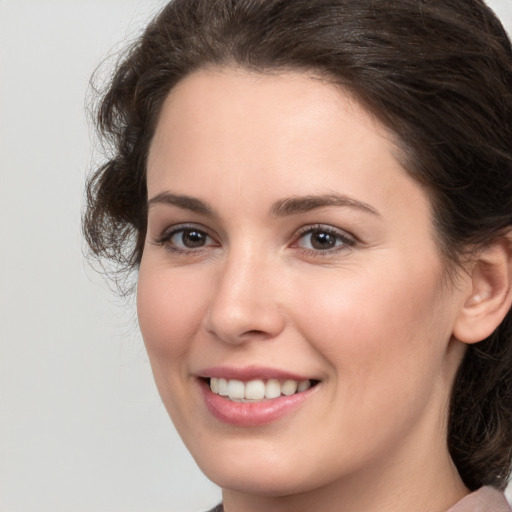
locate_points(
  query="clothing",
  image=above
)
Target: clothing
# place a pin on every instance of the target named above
(485, 499)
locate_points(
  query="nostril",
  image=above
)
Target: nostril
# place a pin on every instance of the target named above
(254, 332)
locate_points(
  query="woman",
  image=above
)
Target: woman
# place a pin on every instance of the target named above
(317, 197)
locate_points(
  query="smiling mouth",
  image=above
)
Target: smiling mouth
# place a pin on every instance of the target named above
(257, 390)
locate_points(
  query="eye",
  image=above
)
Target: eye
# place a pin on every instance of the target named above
(186, 239)
(189, 238)
(324, 239)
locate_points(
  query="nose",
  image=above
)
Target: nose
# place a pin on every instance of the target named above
(245, 303)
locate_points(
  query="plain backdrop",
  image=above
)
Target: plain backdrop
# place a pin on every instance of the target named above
(81, 425)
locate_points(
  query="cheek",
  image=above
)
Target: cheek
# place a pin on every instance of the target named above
(169, 309)
(384, 350)
(378, 323)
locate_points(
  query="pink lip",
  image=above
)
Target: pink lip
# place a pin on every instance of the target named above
(251, 414)
(250, 373)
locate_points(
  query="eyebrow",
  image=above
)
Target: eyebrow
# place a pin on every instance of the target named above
(302, 204)
(181, 201)
(281, 208)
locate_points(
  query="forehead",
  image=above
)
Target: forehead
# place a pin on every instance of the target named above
(272, 135)
(268, 115)
(218, 98)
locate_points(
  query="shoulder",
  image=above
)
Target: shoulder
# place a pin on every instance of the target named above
(486, 499)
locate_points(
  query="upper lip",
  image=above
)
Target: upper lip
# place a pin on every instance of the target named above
(248, 373)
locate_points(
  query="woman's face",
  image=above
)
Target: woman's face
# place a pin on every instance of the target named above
(286, 243)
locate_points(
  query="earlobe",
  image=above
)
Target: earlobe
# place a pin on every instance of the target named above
(489, 294)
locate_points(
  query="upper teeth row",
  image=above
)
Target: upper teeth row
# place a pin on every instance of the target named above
(256, 389)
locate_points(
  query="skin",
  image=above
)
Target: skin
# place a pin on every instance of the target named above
(372, 318)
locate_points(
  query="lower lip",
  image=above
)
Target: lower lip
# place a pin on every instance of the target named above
(252, 414)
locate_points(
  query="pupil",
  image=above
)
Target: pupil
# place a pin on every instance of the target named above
(193, 239)
(323, 241)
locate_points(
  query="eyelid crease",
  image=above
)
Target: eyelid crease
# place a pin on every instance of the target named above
(170, 231)
(165, 241)
(347, 239)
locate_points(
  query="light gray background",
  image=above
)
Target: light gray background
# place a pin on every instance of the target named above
(81, 425)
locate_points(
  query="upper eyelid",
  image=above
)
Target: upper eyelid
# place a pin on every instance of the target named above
(165, 236)
(348, 241)
(169, 231)
(165, 240)
(325, 227)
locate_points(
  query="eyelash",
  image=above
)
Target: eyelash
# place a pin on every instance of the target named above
(343, 240)
(165, 239)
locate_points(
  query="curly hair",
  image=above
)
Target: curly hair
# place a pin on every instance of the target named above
(437, 73)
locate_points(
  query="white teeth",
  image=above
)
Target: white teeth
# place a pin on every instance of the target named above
(304, 386)
(223, 387)
(289, 387)
(236, 389)
(257, 389)
(272, 389)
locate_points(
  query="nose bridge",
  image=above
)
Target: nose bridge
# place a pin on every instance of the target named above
(244, 304)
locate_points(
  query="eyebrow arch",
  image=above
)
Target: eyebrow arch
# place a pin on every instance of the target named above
(181, 201)
(301, 204)
(281, 208)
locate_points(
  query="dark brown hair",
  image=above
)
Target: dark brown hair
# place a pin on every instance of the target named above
(437, 73)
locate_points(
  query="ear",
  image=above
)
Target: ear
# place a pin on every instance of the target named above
(488, 296)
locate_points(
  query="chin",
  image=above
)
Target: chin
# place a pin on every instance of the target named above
(255, 470)
(258, 482)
